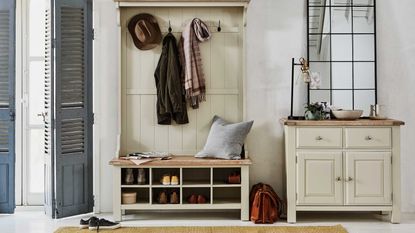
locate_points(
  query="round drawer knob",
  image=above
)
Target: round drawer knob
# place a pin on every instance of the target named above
(368, 138)
(349, 179)
(338, 178)
(319, 138)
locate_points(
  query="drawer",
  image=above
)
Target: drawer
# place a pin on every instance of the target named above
(313, 137)
(368, 138)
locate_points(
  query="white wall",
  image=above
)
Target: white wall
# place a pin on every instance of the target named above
(276, 33)
(396, 81)
(106, 97)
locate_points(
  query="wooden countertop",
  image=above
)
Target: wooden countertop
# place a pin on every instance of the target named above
(178, 161)
(358, 122)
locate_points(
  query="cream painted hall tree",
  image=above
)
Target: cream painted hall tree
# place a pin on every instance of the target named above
(224, 67)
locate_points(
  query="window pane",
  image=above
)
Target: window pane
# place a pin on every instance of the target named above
(319, 96)
(319, 19)
(363, 2)
(342, 75)
(35, 161)
(36, 92)
(342, 99)
(363, 20)
(323, 70)
(364, 48)
(364, 75)
(36, 24)
(340, 2)
(363, 100)
(341, 47)
(340, 20)
(317, 2)
(319, 47)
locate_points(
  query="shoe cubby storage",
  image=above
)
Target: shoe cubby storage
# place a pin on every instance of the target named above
(226, 195)
(143, 195)
(159, 173)
(135, 172)
(188, 192)
(206, 177)
(196, 177)
(168, 191)
(220, 176)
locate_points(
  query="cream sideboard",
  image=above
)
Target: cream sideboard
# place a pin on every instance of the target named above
(343, 166)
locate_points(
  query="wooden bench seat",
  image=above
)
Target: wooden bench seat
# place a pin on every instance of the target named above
(182, 161)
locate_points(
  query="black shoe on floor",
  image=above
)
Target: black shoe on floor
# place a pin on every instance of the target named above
(96, 224)
(85, 223)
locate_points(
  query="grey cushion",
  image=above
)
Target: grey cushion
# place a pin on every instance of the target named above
(225, 139)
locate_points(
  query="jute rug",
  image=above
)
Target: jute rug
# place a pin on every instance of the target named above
(264, 229)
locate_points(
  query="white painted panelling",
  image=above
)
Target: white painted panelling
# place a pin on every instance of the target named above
(133, 115)
(217, 59)
(222, 63)
(203, 115)
(232, 61)
(189, 131)
(231, 108)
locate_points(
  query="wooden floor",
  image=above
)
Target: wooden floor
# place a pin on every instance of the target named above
(34, 221)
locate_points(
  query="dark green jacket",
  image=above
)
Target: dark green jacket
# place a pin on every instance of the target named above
(171, 101)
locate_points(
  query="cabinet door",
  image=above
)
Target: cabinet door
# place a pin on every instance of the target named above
(368, 178)
(319, 178)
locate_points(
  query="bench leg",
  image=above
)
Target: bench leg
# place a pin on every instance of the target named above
(116, 194)
(245, 193)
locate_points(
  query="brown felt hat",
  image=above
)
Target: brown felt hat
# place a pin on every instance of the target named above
(145, 31)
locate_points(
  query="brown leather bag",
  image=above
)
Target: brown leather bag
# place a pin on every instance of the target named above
(265, 205)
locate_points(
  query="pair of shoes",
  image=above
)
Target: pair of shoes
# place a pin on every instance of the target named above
(196, 199)
(174, 198)
(169, 180)
(94, 223)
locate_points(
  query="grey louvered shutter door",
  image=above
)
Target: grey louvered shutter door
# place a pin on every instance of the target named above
(73, 107)
(48, 116)
(7, 106)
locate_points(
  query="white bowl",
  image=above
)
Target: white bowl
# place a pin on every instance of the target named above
(347, 114)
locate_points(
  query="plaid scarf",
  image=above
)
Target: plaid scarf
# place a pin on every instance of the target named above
(192, 71)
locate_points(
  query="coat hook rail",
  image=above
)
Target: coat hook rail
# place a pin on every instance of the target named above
(214, 27)
(170, 29)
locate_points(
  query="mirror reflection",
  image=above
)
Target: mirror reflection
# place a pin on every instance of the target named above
(341, 49)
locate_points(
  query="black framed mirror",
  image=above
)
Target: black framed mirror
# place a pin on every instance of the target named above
(341, 42)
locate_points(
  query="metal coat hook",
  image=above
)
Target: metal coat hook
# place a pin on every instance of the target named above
(219, 28)
(170, 27)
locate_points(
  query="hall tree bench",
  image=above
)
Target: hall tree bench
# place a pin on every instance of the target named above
(341, 165)
(200, 176)
(224, 66)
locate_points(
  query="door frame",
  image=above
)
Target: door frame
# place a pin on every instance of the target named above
(19, 99)
(96, 140)
(22, 72)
